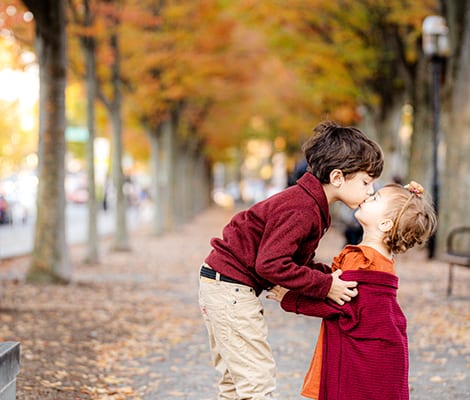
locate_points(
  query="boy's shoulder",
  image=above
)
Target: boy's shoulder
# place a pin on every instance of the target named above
(307, 186)
(306, 200)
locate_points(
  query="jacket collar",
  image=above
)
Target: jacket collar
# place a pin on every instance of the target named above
(314, 188)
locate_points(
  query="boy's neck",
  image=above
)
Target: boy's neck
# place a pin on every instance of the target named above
(330, 192)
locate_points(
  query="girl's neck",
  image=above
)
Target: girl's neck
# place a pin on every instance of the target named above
(377, 244)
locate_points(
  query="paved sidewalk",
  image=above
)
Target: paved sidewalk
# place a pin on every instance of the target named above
(130, 327)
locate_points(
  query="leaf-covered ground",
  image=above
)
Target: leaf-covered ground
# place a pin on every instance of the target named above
(130, 328)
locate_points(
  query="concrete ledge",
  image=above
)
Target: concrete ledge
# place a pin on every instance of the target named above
(9, 368)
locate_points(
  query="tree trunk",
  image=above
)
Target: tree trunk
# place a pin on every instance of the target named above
(121, 237)
(168, 133)
(387, 126)
(201, 181)
(182, 183)
(156, 182)
(420, 162)
(114, 107)
(455, 189)
(92, 254)
(193, 187)
(50, 260)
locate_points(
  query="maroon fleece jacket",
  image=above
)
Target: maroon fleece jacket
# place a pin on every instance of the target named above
(274, 241)
(365, 346)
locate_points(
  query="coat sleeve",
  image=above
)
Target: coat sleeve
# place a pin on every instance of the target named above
(324, 268)
(281, 239)
(301, 304)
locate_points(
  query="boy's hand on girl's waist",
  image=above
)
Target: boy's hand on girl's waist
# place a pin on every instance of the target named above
(341, 291)
(277, 293)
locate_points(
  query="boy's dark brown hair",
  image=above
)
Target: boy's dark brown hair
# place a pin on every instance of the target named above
(333, 146)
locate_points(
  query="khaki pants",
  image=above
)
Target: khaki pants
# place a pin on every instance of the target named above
(233, 315)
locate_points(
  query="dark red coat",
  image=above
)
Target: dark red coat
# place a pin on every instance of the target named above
(274, 241)
(365, 346)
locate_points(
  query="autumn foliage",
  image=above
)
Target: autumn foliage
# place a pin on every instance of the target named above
(219, 64)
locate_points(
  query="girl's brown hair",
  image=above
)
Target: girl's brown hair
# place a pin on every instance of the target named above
(413, 216)
(338, 147)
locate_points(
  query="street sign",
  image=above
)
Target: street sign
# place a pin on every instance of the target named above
(76, 134)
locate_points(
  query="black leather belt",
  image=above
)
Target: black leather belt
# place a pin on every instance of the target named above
(211, 274)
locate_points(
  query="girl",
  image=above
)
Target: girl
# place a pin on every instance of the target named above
(362, 349)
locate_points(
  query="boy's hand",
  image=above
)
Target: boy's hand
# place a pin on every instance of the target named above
(277, 293)
(341, 291)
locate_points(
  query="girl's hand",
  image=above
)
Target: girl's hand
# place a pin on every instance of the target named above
(277, 293)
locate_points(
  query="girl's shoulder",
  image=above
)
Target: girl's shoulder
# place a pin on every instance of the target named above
(353, 258)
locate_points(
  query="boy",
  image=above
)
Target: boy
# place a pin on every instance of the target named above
(274, 243)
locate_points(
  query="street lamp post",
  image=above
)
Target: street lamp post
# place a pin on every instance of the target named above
(436, 47)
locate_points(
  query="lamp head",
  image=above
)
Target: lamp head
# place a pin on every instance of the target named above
(436, 36)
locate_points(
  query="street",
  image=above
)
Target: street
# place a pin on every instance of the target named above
(18, 239)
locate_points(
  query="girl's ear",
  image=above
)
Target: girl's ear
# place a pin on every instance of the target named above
(336, 178)
(386, 225)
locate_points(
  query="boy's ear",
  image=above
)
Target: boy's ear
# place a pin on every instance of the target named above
(386, 225)
(336, 178)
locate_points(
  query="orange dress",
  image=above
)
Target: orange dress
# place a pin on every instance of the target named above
(351, 258)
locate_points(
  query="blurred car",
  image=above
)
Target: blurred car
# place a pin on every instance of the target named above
(19, 212)
(78, 195)
(18, 192)
(5, 211)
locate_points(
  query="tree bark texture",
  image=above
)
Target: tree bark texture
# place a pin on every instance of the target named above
(88, 44)
(168, 139)
(421, 139)
(121, 236)
(156, 182)
(50, 260)
(455, 191)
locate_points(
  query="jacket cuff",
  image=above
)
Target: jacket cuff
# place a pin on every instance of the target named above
(327, 286)
(289, 302)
